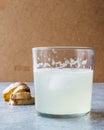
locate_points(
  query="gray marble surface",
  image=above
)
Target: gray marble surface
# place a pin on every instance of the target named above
(25, 117)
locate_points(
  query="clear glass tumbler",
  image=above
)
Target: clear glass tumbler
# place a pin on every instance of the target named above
(63, 78)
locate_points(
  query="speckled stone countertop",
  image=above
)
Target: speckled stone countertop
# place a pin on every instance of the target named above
(26, 118)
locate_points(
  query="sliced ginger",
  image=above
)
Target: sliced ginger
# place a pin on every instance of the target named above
(18, 94)
(9, 90)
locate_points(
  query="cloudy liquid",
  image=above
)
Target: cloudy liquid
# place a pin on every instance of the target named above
(63, 91)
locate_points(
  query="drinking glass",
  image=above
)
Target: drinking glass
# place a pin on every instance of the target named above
(63, 78)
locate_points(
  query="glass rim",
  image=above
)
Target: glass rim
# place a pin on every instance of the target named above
(63, 47)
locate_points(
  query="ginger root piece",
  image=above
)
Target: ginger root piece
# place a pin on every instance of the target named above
(8, 91)
(22, 101)
(21, 88)
(18, 94)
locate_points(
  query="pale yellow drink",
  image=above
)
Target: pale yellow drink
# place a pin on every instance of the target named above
(63, 91)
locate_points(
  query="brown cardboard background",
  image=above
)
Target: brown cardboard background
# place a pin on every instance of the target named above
(29, 23)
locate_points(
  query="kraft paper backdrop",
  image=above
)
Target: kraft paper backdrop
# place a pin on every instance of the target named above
(29, 23)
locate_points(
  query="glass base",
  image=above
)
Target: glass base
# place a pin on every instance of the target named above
(61, 116)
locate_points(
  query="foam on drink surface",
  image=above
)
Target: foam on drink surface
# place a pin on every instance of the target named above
(63, 91)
